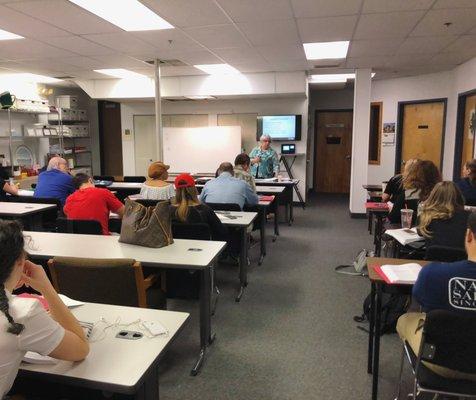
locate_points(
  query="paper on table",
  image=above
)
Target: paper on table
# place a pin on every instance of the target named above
(404, 236)
(401, 274)
(35, 358)
(70, 302)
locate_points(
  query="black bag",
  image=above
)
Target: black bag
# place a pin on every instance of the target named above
(393, 306)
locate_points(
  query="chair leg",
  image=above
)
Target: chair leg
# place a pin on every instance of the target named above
(399, 388)
(415, 389)
(215, 289)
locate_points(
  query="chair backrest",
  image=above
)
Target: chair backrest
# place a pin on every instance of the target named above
(107, 281)
(82, 226)
(445, 253)
(199, 231)
(448, 340)
(147, 202)
(136, 179)
(104, 178)
(224, 206)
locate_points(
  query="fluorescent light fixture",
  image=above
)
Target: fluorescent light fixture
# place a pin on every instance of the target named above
(217, 69)
(333, 78)
(31, 78)
(130, 15)
(4, 35)
(205, 97)
(120, 73)
(326, 50)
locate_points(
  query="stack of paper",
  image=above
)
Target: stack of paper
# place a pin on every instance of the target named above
(404, 274)
(34, 358)
(404, 236)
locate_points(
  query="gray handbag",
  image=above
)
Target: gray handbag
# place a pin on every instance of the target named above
(147, 226)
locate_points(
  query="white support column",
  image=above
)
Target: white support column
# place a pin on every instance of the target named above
(360, 140)
(158, 113)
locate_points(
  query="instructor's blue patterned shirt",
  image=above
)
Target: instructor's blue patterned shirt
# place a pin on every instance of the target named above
(269, 165)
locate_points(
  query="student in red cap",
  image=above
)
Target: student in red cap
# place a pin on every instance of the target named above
(187, 208)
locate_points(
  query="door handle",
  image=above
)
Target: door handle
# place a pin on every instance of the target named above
(347, 157)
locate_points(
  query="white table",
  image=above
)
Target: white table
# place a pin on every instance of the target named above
(30, 213)
(116, 365)
(285, 197)
(198, 255)
(124, 185)
(270, 189)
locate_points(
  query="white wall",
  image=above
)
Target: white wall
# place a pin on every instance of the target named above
(263, 106)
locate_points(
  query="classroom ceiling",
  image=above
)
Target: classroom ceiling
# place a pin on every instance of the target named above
(394, 37)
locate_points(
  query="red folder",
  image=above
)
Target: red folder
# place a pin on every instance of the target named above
(266, 198)
(372, 204)
(378, 270)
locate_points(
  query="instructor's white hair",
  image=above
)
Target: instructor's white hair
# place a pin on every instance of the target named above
(265, 136)
(55, 162)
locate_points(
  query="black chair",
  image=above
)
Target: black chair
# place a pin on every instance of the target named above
(49, 217)
(104, 178)
(135, 179)
(447, 341)
(224, 206)
(81, 226)
(445, 254)
(181, 283)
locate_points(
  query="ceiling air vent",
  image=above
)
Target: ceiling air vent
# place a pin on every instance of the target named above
(64, 77)
(172, 63)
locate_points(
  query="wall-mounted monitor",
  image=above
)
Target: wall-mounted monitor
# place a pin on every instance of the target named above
(279, 127)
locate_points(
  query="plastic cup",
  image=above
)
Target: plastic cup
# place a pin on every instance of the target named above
(407, 215)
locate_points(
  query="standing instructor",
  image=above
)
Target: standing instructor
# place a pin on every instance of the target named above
(264, 160)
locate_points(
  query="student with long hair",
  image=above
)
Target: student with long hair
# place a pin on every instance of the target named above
(24, 323)
(418, 182)
(186, 207)
(394, 185)
(443, 219)
(467, 184)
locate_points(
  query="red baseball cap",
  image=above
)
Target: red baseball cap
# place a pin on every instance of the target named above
(184, 180)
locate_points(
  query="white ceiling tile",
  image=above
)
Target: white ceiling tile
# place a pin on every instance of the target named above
(168, 39)
(271, 32)
(465, 43)
(118, 61)
(253, 67)
(451, 58)
(121, 41)
(82, 62)
(217, 36)
(240, 55)
(383, 6)
(65, 15)
(366, 62)
(425, 44)
(432, 24)
(326, 29)
(278, 53)
(374, 47)
(191, 57)
(257, 10)
(28, 49)
(324, 8)
(79, 45)
(388, 25)
(180, 71)
(291, 65)
(24, 25)
(187, 13)
(408, 61)
(454, 4)
(87, 74)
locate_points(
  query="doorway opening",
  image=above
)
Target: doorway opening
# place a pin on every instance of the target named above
(465, 132)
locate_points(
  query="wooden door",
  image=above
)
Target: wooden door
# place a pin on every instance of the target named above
(333, 150)
(110, 138)
(469, 130)
(422, 133)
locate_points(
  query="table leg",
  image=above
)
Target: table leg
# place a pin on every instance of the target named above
(376, 347)
(206, 337)
(371, 220)
(243, 264)
(35, 222)
(378, 234)
(371, 327)
(291, 212)
(262, 213)
(276, 220)
(149, 390)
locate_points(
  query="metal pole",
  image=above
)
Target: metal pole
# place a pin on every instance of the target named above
(10, 140)
(158, 113)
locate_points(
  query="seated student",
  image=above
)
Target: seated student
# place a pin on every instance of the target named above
(467, 184)
(433, 291)
(90, 202)
(187, 208)
(55, 182)
(228, 189)
(24, 323)
(157, 187)
(443, 219)
(242, 170)
(394, 185)
(5, 188)
(418, 182)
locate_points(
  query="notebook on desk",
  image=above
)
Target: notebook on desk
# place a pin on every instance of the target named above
(404, 274)
(404, 236)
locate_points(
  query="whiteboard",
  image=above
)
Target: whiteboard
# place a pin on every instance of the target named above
(200, 149)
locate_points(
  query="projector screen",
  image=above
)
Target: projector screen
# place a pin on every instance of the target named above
(279, 127)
